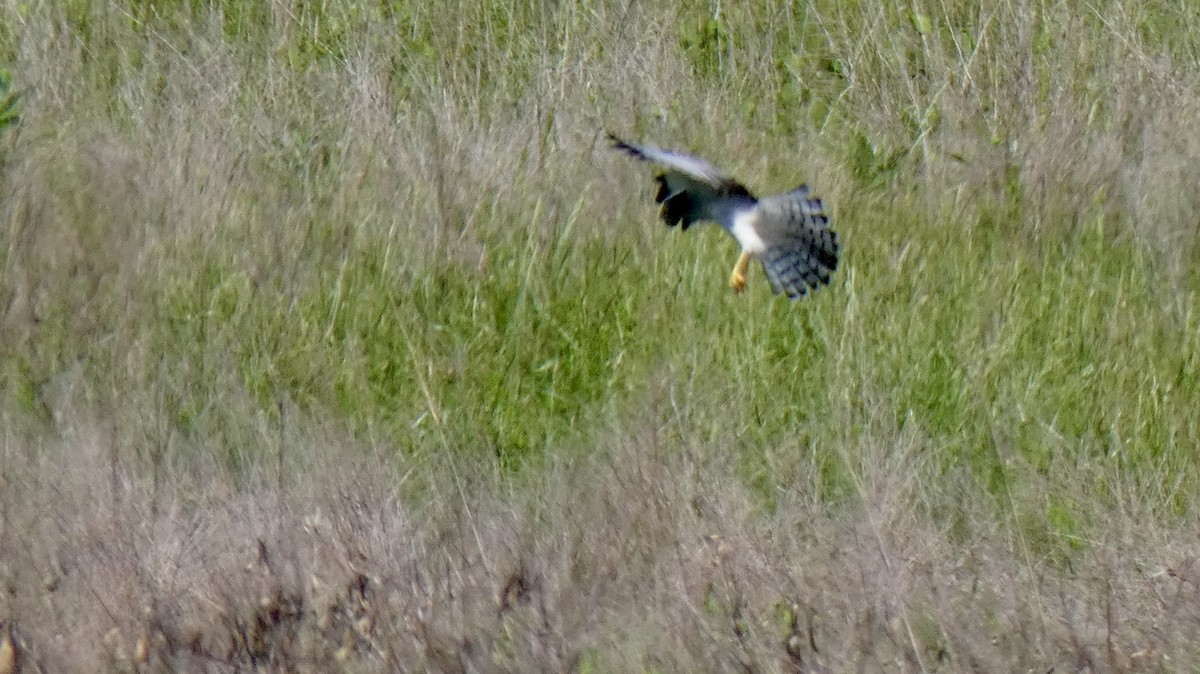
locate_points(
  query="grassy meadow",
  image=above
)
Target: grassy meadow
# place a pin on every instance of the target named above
(333, 337)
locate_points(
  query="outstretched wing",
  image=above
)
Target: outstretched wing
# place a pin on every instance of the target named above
(803, 252)
(690, 189)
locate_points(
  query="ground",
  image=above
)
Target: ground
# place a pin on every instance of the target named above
(336, 338)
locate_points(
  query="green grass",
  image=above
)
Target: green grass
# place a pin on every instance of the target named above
(401, 226)
(420, 274)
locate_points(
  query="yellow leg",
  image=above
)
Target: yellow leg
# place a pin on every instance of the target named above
(737, 279)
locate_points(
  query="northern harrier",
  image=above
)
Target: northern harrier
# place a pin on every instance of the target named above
(788, 232)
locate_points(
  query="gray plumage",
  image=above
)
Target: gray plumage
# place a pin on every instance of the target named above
(803, 252)
(788, 232)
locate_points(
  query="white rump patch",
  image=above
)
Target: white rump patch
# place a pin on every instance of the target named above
(744, 230)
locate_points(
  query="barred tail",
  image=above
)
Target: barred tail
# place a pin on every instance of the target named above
(807, 255)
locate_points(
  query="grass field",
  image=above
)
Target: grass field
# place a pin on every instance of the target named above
(333, 337)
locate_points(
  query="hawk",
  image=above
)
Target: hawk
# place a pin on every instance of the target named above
(788, 232)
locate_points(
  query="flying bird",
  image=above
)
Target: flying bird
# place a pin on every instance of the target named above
(788, 232)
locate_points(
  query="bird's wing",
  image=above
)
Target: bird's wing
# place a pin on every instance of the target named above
(693, 167)
(690, 189)
(802, 252)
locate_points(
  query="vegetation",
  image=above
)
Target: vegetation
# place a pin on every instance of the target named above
(334, 337)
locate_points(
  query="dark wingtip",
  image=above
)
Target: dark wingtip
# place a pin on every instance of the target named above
(619, 144)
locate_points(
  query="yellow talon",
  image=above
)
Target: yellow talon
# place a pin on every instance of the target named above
(737, 279)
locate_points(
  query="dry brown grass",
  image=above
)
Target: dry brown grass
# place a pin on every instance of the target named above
(635, 557)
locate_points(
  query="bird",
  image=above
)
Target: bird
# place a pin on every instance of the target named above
(788, 232)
